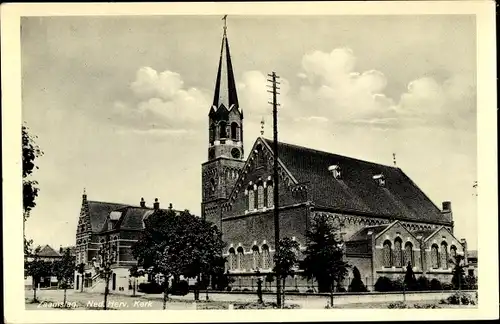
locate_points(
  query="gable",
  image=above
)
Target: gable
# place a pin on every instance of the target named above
(48, 251)
(356, 191)
(261, 155)
(440, 235)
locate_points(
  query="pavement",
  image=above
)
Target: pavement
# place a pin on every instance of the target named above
(76, 299)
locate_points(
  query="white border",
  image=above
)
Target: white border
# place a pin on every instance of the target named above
(487, 160)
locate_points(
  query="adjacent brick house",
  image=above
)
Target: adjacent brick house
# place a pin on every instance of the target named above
(122, 225)
(386, 220)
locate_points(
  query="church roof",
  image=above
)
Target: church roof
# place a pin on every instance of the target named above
(356, 190)
(48, 251)
(362, 234)
(225, 85)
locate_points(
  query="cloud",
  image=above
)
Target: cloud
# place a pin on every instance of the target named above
(334, 89)
(162, 103)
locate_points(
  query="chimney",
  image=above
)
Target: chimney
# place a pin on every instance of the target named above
(60, 249)
(170, 206)
(446, 206)
(143, 203)
(156, 204)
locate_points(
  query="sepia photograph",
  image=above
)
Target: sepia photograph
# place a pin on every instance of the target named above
(260, 159)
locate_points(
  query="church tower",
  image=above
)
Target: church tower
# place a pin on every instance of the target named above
(225, 139)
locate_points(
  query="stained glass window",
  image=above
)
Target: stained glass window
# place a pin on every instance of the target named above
(387, 254)
(260, 197)
(444, 255)
(270, 195)
(397, 253)
(232, 259)
(435, 256)
(240, 258)
(265, 257)
(256, 257)
(251, 199)
(408, 256)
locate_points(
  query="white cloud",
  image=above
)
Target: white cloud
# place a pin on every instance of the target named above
(163, 103)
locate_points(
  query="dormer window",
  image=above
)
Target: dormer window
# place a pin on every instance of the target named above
(335, 170)
(380, 179)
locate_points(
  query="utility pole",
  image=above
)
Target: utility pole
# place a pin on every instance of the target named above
(274, 103)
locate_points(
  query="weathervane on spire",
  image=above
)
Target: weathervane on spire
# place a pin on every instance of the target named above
(225, 23)
(262, 127)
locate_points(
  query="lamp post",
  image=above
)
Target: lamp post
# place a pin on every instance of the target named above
(107, 257)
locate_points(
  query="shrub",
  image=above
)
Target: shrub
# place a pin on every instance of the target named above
(398, 284)
(245, 289)
(383, 284)
(426, 306)
(397, 305)
(423, 283)
(436, 284)
(150, 288)
(461, 298)
(180, 288)
(447, 286)
(470, 282)
(357, 284)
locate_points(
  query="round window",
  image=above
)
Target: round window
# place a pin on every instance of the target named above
(235, 153)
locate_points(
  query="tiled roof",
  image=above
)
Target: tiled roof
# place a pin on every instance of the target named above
(425, 233)
(48, 251)
(362, 234)
(99, 212)
(356, 191)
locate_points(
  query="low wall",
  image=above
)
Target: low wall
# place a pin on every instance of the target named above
(368, 297)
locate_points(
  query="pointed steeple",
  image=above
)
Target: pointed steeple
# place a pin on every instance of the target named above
(225, 85)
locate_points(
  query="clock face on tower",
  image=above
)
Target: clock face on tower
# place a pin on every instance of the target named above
(235, 153)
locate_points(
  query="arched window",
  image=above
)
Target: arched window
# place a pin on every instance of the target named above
(211, 133)
(398, 260)
(256, 257)
(222, 129)
(387, 254)
(270, 194)
(444, 255)
(266, 257)
(251, 199)
(434, 256)
(234, 131)
(240, 258)
(408, 256)
(232, 259)
(453, 252)
(260, 196)
(212, 185)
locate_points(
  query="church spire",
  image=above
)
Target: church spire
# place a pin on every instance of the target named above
(225, 85)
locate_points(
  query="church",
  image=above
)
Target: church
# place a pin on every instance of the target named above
(385, 219)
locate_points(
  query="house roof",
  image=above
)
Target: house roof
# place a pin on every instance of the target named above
(362, 234)
(99, 211)
(48, 251)
(472, 254)
(356, 190)
(127, 217)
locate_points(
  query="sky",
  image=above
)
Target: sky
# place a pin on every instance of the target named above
(120, 104)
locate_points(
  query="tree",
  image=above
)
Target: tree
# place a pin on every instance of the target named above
(324, 255)
(37, 269)
(178, 245)
(80, 268)
(357, 284)
(107, 257)
(458, 279)
(31, 151)
(286, 262)
(410, 282)
(64, 271)
(135, 273)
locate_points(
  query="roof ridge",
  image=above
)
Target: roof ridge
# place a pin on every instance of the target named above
(330, 153)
